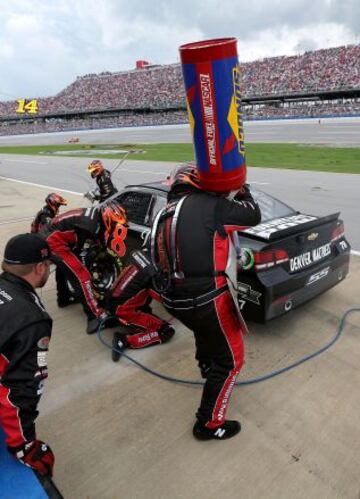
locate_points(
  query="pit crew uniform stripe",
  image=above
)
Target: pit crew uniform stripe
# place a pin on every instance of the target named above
(9, 413)
(59, 244)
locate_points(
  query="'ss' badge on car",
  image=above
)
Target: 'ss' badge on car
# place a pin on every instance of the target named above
(313, 236)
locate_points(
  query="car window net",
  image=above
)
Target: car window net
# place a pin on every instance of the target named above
(136, 205)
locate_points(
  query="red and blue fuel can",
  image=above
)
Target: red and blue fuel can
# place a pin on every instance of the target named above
(213, 96)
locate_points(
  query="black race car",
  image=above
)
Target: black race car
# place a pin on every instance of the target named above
(287, 260)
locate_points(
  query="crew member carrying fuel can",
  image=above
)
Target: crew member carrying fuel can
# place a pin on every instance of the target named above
(190, 244)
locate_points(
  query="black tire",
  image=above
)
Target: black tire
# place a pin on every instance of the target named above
(116, 355)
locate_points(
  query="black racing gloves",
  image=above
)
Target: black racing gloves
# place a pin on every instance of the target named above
(37, 455)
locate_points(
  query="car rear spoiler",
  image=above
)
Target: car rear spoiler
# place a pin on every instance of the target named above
(279, 228)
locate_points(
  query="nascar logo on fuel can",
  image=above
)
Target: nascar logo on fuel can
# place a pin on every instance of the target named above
(213, 97)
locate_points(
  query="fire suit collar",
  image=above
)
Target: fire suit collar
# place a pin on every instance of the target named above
(17, 280)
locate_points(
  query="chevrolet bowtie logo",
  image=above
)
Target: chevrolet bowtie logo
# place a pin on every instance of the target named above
(313, 236)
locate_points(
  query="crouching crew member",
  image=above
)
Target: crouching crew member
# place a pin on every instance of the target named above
(25, 331)
(51, 208)
(190, 247)
(44, 217)
(128, 300)
(67, 236)
(103, 180)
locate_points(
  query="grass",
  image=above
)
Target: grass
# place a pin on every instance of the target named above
(289, 156)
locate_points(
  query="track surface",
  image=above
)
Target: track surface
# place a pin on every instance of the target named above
(331, 131)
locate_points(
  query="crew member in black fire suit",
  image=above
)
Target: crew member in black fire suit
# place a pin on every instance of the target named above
(51, 208)
(44, 217)
(103, 180)
(190, 246)
(67, 236)
(127, 301)
(25, 330)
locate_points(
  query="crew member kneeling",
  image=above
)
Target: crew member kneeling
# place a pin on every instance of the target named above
(25, 330)
(128, 301)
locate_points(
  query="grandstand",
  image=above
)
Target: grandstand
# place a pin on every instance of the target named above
(315, 84)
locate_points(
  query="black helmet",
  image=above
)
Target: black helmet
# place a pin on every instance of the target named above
(184, 178)
(54, 201)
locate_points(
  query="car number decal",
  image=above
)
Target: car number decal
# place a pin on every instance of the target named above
(266, 229)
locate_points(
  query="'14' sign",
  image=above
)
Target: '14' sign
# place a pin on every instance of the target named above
(24, 106)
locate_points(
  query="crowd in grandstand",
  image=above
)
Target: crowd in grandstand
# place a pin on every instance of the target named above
(311, 110)
(160, 88)
(323, 70)
(97, 122)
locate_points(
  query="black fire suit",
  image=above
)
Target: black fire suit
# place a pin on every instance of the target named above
(25, 331)
(198, 294)
(105, 185)
(43, 218)
(128, 298)
(66, 237)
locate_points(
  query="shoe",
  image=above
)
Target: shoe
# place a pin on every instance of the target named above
(166, 332)
(93, 325)
(103, 320)
(226, 430)
(119, 344)
(65, 302)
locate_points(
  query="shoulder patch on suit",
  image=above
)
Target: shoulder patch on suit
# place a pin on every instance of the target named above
(43, 343)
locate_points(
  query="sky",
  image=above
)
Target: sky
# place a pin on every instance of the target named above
(46, 44)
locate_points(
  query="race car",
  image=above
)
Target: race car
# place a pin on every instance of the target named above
(286, 260)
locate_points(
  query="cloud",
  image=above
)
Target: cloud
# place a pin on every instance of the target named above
(290, 41)
(45, 45)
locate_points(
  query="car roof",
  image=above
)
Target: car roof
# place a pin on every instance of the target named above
(156, 186)
(162, 186)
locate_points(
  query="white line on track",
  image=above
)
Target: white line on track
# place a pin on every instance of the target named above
(25, 161)
(41, 185)
(16, 220)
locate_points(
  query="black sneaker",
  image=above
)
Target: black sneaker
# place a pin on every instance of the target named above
(65, 302)
(103, 321)
(166, 332)
(118, 345)
(226, 430)
(93, 325)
